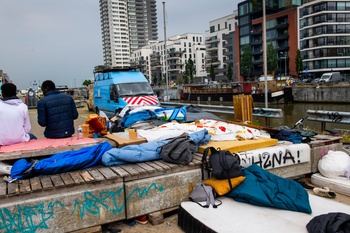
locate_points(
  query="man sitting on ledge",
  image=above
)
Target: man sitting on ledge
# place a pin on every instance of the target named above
(56, 112)
(14, 117)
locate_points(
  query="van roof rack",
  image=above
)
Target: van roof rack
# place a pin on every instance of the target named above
(105, 69)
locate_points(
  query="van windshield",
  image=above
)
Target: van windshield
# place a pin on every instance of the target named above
(134, 89)
(325, 77)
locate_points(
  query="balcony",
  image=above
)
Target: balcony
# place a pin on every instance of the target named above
(283, 37)
(212, 39)
(212, 49)
(175, 69)
(256, 42)
(282, 25)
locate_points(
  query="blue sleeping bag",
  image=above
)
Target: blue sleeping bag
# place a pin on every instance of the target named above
(263, 188)
(61, 162)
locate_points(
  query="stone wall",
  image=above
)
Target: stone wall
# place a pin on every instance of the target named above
(321, 93)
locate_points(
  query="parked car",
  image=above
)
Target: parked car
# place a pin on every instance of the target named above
(316, 80)
(307, 80)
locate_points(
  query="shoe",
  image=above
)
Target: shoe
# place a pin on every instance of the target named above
(324, 192)
(142, 219)
(130, 222)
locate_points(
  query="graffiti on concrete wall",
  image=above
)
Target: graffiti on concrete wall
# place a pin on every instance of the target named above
(31, 218)
(273, 157)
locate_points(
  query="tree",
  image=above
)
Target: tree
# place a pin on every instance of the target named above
(190, 70)
(298, 62)
(272, 62)
(246, 62)
(229, 72)
(212, 72)
(155, 80)
(87, 82)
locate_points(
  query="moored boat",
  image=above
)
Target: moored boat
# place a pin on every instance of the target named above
(278, 91)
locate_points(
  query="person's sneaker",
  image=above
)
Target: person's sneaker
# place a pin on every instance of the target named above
(142, 219)
(324, 192)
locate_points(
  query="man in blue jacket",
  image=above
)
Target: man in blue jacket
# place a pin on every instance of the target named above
(56, 112)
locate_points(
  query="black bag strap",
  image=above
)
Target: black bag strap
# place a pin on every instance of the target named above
(205, 163)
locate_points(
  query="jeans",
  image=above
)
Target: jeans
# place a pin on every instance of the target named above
(32, 136)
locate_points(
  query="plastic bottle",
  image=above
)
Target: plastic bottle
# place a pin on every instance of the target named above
(80, 132)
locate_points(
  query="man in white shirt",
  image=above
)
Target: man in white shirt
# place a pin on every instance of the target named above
(14, 117)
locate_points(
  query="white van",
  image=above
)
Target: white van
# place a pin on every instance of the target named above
(333, 77)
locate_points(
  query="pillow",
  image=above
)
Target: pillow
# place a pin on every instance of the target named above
(222, 186)
(334, 164)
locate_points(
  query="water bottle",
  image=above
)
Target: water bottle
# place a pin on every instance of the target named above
(80, 132)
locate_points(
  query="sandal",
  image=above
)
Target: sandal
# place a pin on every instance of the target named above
(324, 192)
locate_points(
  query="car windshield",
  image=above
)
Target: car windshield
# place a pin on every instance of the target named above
(134, 89)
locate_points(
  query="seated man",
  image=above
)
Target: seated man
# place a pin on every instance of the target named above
(14, 117)
(56, 112)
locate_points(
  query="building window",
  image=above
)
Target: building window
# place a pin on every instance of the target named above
(244, 20)
(244, 40)
(212, 29)
(243, 9)
(244, 30)
(218, 27)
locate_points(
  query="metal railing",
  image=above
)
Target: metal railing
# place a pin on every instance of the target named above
(267, 113)
(328, 116)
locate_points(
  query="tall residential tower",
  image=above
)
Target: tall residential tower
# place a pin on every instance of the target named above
(126, 25)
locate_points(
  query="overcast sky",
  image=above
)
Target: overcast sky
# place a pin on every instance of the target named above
(61, 39)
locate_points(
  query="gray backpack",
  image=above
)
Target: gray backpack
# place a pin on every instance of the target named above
(179, 150)
(204, 193)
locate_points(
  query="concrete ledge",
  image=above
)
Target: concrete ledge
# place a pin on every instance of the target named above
(64, 210)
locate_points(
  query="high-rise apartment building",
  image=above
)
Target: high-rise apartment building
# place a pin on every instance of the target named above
(325, 36)
(126, 25)
(281, 32)
(219, 46)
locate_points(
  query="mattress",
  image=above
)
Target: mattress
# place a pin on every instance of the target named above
(339, 185)
(236, 146)
(232, 216)
(277, 156)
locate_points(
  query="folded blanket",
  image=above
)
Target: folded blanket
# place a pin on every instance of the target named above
(147, 151)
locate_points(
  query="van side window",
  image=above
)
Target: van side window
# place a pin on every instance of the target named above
(113, 92)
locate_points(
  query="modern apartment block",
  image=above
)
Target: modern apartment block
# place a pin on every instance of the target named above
(325, 36)
(219, 40)
(152, 59)
(281, 31)
(126, 25)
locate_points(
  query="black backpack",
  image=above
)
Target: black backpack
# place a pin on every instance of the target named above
(222, 164)
(178, 150)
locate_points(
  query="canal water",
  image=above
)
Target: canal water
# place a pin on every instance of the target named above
(292, 113)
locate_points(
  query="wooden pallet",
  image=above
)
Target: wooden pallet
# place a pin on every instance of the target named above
(100, 173)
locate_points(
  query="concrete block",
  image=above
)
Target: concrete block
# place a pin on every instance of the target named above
(149, 195)
(318, 152)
